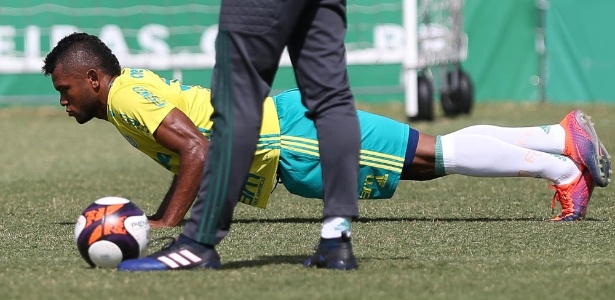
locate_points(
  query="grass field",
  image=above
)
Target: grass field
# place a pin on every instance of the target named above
(451, 238)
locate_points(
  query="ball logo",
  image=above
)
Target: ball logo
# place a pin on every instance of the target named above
(105, 228)
(139, 224)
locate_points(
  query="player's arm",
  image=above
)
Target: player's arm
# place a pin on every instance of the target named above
(179, 134)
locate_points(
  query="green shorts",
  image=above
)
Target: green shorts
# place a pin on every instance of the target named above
(383, 150)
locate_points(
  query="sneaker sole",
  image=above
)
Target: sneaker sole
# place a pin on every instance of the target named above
(571, 218)
(600, 164)
(347, 266)
(164, 267)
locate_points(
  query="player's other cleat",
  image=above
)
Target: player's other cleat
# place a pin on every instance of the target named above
(333, 254)
(573, 197)
(181, 254)
(585, 148)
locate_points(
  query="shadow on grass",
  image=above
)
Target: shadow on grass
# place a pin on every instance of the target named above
(296, 260)
(266, 261)
(387, 219)
(299, 220)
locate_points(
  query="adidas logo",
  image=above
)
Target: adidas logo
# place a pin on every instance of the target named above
(182, 258)
(382, 180)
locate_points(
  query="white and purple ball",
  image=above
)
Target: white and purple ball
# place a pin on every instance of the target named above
(110, 230)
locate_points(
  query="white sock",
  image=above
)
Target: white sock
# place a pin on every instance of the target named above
(332, 227)
(547, 138)
(485, 156)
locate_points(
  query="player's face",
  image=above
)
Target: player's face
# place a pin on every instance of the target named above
(77, 94)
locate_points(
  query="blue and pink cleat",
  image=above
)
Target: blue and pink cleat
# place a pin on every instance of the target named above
(585, 148)
(573, 197)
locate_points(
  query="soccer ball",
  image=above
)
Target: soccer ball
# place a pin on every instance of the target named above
(110, 230)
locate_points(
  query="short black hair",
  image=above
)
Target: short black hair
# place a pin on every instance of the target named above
(83, 49)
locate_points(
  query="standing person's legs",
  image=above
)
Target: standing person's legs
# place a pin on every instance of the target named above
(319, 57)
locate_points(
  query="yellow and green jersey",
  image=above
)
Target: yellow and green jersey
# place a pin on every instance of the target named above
(139, 100)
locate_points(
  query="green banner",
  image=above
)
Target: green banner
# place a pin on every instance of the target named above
(580, 51)
(502, 59)
(177, 39)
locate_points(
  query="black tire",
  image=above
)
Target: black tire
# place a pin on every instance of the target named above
(463, 96)
(424, 89)
(457, 99)
(448, 106)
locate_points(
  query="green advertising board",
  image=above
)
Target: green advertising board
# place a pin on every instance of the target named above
(176, 39)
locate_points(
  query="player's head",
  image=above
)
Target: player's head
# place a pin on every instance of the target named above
(80, 66)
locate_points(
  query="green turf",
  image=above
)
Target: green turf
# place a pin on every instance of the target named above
(452, 238)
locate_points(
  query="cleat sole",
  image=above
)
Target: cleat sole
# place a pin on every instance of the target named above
(600, 165)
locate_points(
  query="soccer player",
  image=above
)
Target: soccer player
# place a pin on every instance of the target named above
(171, 123)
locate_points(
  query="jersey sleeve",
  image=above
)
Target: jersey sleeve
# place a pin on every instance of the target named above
(140, 107)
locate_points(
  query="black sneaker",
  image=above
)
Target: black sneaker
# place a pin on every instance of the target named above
(181, 254)
(333, 254)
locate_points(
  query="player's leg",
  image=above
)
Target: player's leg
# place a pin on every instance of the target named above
(319, 57)
(485, 156)
(546, 138)
(428, 157)
(574, 136)
(420, 158)
(482, 156)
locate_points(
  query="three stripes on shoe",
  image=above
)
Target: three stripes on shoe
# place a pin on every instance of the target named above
(179, 259)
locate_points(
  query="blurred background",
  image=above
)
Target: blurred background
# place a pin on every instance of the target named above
(424, 53)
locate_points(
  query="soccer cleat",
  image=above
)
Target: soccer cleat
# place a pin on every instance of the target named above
(333, 254)
(585, 148)
(573, 197)
(181, 254)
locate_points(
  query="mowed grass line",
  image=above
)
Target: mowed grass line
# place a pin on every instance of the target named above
(451, 238)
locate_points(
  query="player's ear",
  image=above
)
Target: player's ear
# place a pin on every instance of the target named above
(93, 77)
